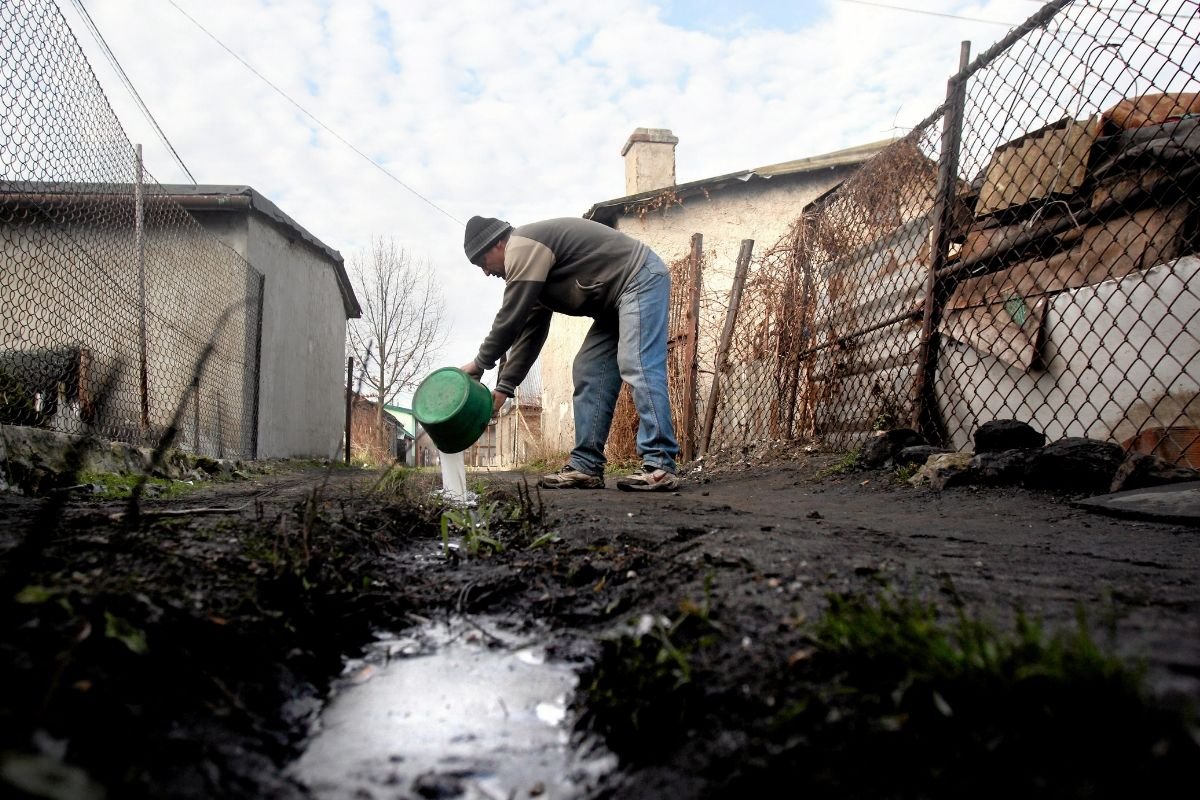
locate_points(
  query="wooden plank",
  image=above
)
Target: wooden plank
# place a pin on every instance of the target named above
(1151, 109)
(1122, 189)
(690, 352)
(1026, 233)
(1112, 249)
(1011, 331)
(1051, 162)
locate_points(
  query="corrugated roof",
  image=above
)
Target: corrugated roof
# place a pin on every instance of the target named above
(610, 209)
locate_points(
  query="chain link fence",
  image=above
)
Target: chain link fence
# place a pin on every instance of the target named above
(1028, 252)
(119, 315)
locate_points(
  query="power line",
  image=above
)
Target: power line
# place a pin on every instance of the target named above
(1141, 8)
(313, 117)
(112, 59)
(931, 13)
(1106, 9)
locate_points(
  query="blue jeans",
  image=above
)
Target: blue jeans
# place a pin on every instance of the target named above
(629, 345)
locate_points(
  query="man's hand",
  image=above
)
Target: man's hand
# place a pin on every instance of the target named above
(498, 402)
(472, 369)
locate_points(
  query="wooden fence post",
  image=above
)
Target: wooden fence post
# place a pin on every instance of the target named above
(691, 351)
(735, 299)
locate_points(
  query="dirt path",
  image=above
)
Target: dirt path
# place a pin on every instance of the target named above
(999, 550)
(185, 655)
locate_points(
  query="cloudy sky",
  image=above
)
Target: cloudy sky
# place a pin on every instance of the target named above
(509, 108)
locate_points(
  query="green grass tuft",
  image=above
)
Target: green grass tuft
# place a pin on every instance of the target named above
(120, 487)
(843, 466)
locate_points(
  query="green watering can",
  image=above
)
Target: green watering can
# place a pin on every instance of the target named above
(453, 407)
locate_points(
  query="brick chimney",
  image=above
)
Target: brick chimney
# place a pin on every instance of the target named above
(649, 160)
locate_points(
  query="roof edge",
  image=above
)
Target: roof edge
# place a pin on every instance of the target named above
(608, 210)
(215, 197)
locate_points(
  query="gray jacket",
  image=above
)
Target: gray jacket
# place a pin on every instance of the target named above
(571, 265)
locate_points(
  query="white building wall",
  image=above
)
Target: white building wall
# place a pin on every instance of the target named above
(1107, 370)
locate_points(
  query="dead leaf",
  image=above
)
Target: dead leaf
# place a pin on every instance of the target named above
(803, 654)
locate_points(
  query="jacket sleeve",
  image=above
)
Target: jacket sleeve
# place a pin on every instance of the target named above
(524, 351)
(526, 264)
(520, 300)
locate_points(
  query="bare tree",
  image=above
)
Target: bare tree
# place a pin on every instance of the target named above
(403, 324)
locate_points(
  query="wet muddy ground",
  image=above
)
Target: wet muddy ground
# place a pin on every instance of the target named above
(837, 632)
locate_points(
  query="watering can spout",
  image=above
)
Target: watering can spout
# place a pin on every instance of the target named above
(453, 407)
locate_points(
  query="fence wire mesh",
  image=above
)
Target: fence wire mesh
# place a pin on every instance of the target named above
(683, 341)
(1027, 253)
(119, 315)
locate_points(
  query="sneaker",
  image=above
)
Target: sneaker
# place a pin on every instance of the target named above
(570, 478)
(650, 479)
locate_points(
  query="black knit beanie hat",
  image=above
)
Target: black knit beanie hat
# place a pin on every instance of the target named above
(482, 233)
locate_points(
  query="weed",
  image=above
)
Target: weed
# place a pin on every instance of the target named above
(846, 464)
(624, 467)
(126, 633)
(475, 525)
(121, 487)
(544, 465)
(394, 481)
(958, 704)
(643, 692)
(906, 637)
(542, 460)
(549, 537)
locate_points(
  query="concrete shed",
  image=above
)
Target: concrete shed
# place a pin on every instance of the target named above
(107, 287)
(307, 300)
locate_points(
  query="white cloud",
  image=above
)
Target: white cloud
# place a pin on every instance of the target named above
(509, 108)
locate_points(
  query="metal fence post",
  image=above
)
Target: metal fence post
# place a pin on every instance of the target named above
(925, 416)
(349, 401)
(196, 411)
(139, 214)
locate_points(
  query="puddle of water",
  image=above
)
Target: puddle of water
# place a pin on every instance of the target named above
(462, 709)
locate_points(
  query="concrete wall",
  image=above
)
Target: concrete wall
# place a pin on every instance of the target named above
(760, 210)
(72, 286)
(301, 404)
(425, 452)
